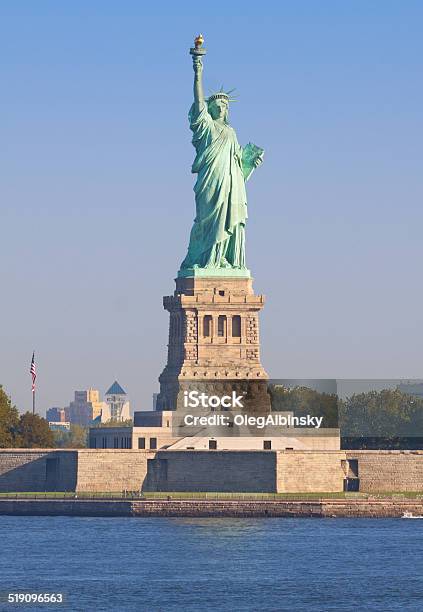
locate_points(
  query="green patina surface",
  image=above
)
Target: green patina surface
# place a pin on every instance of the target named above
(217, 239)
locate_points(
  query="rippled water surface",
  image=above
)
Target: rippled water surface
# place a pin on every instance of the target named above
(214, 564)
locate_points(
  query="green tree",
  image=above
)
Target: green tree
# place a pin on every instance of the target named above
(9, 422)
(115, 423)
(303, 401)
(34, 432)
(76, 437)
(382, 419)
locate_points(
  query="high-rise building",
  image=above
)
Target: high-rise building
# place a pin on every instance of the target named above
(117, 403)
(56, 415)
(86, 407)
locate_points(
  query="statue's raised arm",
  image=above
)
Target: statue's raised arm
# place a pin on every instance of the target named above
(197, 52)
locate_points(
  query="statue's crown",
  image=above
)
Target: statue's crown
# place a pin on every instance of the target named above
(222, 95)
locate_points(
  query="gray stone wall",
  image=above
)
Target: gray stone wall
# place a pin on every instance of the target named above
(72, 470)
(310, 471)
(112, 470)
(237, 471)
(37, 470)
(348, 508)
(214, 471)
(385, 471)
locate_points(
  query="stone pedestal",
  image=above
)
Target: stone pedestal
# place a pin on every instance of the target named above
(214, 341)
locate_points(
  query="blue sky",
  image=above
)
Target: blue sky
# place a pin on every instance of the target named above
(96, 193)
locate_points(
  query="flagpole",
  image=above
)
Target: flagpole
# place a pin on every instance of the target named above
(33, 373)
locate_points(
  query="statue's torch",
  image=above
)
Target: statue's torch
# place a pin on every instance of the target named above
(198, 50)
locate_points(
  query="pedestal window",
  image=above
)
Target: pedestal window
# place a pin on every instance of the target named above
(221, 326)
(236, 326)
(207, 326)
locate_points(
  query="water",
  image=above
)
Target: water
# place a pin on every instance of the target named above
(214, 564)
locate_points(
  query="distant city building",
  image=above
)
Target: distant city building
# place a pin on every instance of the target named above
(87, 408)
(117, 403)
(59, 426)
(56, 415)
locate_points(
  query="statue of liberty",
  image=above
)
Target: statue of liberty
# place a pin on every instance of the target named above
(217, 240)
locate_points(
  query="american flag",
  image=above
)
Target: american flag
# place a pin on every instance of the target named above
(33, 372)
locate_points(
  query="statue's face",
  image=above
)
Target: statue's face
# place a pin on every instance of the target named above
(218, 109)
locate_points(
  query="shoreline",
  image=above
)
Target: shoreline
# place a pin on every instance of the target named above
(323, 508)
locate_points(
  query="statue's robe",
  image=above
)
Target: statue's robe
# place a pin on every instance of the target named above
(217, 237)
